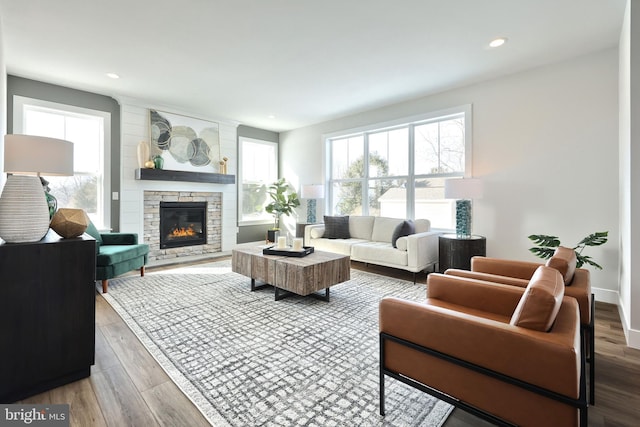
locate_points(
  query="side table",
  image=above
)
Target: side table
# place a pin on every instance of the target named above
(456, 252)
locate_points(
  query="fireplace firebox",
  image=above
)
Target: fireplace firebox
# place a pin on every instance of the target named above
(183, 224)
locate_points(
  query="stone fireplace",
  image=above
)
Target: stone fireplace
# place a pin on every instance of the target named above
(182, 223)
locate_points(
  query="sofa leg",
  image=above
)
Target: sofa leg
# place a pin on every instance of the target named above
(105, 284)
(142, 271)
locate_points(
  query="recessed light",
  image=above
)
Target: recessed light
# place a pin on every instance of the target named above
(271, 116)
(497, 42)
(113, 75)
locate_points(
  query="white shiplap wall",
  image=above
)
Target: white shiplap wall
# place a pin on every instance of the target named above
(135, 128)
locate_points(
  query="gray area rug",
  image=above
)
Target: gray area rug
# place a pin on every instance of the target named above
(247, 360)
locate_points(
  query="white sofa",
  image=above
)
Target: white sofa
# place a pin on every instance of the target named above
(370, 242)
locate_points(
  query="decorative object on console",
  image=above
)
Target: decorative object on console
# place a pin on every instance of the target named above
(547, 245)
(312, 192)
(70, 223)
(52, 202)
(463, 190)
(24, 211)
(185, 143)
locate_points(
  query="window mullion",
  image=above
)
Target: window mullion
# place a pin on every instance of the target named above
(365, 176)
(411, 179)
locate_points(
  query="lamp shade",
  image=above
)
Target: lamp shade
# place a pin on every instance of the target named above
(24, 211)
(31, 155)
(463, 188)
(312, 191)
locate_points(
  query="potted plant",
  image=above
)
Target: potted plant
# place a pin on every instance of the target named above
(283, 201)
(546, 246)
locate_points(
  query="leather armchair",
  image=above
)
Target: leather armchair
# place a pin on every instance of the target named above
(479, 346)
(518, 273)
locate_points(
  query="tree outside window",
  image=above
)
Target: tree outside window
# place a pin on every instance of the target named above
(400, 171)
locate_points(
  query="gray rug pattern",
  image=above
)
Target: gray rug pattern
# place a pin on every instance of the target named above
(247, 360)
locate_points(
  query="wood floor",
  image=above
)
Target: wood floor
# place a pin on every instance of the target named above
(128, 388)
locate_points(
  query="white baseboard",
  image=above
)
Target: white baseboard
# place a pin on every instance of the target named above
(606, 295)
(632, 335)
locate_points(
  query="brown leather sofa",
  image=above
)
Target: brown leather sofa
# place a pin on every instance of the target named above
(518, 273)
(509, 357)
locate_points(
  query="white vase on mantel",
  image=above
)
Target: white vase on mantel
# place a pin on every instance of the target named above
(143, 153)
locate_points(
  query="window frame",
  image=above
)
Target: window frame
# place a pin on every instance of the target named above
(274, 146)
(407, 122)
(104, 188)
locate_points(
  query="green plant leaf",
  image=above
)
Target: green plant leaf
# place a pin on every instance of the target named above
(281, 202)
(544, 253)
(595, 239)
(585, 259)
(544, 240)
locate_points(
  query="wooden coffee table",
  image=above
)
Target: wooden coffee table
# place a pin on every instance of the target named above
(301, 276)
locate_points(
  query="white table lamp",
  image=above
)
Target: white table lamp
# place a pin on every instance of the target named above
(463, 190)
(24, 212)
(312, 192)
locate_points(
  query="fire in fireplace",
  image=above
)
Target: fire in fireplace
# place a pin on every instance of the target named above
(183, 224)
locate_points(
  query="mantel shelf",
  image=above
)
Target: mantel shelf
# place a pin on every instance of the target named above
(171, 175)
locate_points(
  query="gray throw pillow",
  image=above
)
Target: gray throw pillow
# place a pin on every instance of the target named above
(336, 227)
(403, 229)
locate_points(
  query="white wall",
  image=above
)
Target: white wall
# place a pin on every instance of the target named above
(135, 128)
(545, 145)
(629, 131)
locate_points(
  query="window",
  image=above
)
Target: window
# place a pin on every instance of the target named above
(258, 169)
(398, 169)
(89, 130)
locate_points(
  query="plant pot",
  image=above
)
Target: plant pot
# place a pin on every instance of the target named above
(272, 236)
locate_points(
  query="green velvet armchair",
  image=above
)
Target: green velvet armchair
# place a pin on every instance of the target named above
(118, 253)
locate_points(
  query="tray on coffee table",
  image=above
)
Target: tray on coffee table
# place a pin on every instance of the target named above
(272, 250)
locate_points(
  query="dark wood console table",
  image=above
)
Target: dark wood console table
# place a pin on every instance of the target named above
(47, 314)
(456, 252)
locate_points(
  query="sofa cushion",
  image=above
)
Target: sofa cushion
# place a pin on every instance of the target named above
(403, 229)
(113, 254)
(336, 227)
(564, 260)
(361, 227)
(541, 300)
(379, 253)
(93, 232)
(337, 246)
(383, 228)
(422, 225)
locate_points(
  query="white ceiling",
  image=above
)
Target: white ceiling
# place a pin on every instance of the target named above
(302, 61)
